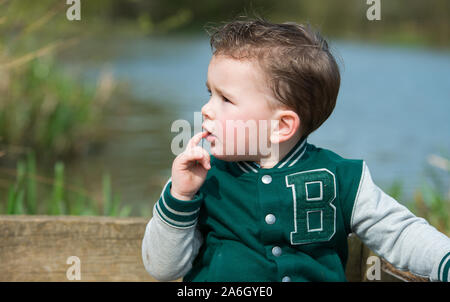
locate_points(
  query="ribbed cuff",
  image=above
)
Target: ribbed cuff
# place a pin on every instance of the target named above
(443, 272)
(178, 213)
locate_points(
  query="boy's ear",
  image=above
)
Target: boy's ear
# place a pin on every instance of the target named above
(288, 125)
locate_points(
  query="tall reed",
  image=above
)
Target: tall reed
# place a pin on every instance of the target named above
(23, 197)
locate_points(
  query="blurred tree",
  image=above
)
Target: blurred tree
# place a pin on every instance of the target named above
(408, 20)
(402, 21)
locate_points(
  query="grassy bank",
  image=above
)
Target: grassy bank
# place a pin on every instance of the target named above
(32, 194)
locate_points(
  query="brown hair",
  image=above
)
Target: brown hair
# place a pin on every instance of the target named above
(298, 64)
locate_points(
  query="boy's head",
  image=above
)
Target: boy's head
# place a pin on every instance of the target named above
(290, 63)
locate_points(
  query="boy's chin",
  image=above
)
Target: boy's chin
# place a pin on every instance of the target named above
(232, 157)
(229, 158)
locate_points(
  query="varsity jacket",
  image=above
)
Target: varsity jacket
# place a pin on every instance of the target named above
(286, 223)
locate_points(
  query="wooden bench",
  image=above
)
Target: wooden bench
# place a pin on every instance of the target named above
(37, 248)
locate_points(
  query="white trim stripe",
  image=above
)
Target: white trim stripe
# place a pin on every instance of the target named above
(171, 221)
(177, 212)
(165, 212)
(242, 168)
(292, 155)
(300, 156)
(251, 168)
(442, 268)
(169, 208)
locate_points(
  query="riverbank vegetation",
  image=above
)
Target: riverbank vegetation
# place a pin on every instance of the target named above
(46, 113)
(34, 194)
(41, 107)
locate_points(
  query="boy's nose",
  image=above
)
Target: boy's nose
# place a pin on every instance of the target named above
(207, 111)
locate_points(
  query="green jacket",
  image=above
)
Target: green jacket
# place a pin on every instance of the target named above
(286, 223)
(290, 221)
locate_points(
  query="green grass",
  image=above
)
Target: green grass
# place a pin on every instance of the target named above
(431, 200)
(22, 196)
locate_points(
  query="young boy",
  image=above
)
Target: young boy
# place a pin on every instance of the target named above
(285, 214)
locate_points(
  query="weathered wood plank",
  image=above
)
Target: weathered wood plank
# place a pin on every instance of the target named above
(36, 248)
(353, 268)
(357, 266)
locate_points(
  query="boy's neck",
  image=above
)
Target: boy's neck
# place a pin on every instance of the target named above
(275, 157)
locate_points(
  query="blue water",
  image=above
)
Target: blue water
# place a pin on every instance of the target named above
(392, 111)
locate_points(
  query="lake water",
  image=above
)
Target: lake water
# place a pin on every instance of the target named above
(392, 111)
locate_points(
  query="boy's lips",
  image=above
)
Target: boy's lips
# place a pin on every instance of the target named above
(210, 137)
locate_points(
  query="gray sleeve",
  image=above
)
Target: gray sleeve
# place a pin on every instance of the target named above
(394, 233)
(171, 240)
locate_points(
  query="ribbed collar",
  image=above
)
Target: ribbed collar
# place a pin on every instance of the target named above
(293, 156)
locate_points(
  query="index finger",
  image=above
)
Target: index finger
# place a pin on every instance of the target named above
(196, 139)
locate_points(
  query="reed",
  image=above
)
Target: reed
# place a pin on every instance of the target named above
(30, 195)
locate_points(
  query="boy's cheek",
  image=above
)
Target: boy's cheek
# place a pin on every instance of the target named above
(218, 150)
(240, 138)
(234, 141)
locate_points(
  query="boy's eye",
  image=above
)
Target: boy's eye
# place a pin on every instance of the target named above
(226, 100)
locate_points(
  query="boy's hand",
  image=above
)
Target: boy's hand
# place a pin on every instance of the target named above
(188, 175)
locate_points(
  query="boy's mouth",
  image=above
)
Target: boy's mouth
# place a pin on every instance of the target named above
(210, 137)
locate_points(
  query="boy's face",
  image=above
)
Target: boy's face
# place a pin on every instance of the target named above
(237, 114)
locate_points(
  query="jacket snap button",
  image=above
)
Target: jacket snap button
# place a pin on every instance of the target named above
(286, 279)
(267, 179)
(270, 219)
(276, 251)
